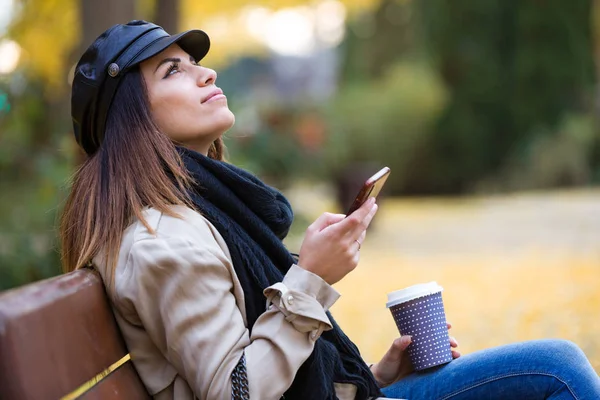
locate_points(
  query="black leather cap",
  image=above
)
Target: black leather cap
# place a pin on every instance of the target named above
(107, 60)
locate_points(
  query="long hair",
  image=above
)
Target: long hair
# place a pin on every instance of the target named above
(136, 166)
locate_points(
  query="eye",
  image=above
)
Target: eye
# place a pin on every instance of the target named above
(173, 69)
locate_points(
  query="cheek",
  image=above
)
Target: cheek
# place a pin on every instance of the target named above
(172, 112)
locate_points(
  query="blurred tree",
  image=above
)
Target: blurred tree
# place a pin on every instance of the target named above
(166, 14)
(95, 17)
(383, 122)
(512, 67)
(595, 152)
(49, 31)
(378, 38)
(36, 155)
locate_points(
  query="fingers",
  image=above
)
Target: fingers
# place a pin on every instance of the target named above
(404, 342)
(359, 220)
(453, 342)
(361, 238)
(325, 220)
(449, 325)
(394, 354)
(400, 344)
(359, 242)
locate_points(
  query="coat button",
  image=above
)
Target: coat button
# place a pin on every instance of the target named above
(290, 300)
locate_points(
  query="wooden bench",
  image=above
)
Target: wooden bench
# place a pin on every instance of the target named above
(58, 340)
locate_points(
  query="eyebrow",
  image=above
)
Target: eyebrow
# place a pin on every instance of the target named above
(171, 59)
(166, 60)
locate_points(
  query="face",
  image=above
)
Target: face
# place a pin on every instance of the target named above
(185, 102)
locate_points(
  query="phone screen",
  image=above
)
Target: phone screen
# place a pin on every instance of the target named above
(371, 188)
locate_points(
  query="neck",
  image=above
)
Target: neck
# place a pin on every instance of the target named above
(202, 146)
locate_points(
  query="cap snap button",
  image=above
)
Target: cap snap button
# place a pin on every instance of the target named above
(113, 70)
(290, 300)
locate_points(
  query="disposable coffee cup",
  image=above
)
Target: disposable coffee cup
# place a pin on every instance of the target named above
(419, 312)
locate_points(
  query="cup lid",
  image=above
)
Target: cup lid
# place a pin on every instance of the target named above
(412, 292)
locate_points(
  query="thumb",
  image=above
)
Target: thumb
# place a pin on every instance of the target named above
(325, 220)
(398, 347)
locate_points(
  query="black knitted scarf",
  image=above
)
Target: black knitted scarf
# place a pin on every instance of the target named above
(253, 218)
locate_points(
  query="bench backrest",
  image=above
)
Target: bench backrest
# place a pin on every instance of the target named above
(57, 335)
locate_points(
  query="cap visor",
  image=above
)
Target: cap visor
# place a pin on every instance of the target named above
(194, 42)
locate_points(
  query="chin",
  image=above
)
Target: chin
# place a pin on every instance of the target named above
(227, 120)
(211, 129)
(221, 125)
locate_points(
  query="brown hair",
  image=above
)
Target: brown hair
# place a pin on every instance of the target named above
(136, 166)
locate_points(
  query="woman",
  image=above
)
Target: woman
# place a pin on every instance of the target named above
(210, 302)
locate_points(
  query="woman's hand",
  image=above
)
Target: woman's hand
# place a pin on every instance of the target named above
(395, 364)
(332, 243)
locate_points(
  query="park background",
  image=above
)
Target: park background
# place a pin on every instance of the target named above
(486, 111)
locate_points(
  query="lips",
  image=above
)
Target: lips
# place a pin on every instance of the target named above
(216, 92)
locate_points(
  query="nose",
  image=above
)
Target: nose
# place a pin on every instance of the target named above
(206, 76)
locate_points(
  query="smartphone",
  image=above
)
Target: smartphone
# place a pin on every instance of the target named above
(371, 188)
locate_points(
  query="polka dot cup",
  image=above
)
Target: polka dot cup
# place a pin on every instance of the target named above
(419, 312)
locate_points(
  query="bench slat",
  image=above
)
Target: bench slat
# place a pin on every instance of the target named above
(56, 335)
(118, 385)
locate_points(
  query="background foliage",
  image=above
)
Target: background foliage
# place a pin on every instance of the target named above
(458, 97)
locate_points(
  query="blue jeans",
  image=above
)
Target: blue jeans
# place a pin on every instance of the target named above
(540, 369)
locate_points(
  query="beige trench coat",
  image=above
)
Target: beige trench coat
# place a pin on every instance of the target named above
(180, 306)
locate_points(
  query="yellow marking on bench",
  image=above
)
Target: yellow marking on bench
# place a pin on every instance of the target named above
(96, 379)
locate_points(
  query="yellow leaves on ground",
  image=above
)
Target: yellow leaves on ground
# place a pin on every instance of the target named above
(487, 303)
(513, 268)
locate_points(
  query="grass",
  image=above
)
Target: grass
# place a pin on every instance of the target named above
(488, 303)
(513, 268)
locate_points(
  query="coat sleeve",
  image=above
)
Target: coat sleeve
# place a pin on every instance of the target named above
(183, 295)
